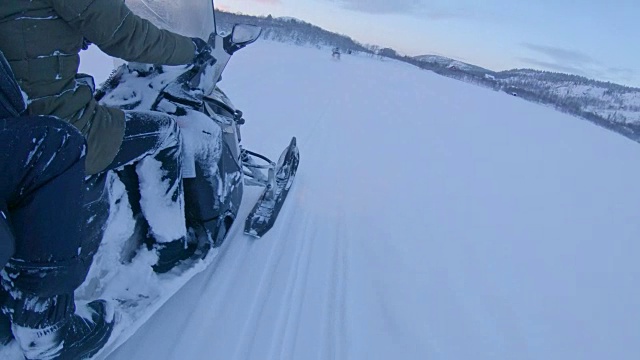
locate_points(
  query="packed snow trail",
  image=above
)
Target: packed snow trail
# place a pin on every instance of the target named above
(429, 219)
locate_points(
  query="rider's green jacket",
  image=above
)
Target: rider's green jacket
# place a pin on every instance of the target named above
(41, 40)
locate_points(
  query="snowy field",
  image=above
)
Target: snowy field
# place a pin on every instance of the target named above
(430, 219)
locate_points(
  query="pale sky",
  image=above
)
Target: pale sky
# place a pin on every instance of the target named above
(593, 38)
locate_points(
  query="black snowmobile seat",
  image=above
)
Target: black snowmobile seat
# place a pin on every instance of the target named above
(7, 241)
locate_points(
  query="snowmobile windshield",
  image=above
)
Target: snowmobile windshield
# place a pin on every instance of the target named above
(193, 18)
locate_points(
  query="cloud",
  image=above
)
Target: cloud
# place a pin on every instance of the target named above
(381, 6)
(574, 62)
(621, 71)
(264, 2)
(441, 14)
(419, 8)
(565, 68)
(561, 55)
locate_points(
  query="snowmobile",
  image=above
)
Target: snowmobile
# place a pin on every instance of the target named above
(193, 90)
(214, 179)
(335, 53)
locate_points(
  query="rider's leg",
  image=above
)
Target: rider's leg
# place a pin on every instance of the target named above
(42, 163)
(149, 163)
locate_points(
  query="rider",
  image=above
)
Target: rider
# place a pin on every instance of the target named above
(41, 41)
(42, 157)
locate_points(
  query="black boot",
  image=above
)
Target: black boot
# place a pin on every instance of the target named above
(172, 253)
(5, 329)
(5, 322)
(78, 336)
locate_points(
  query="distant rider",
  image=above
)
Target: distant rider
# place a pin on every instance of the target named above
(335, 53)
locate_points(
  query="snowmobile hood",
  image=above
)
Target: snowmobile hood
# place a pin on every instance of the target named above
(11, 100)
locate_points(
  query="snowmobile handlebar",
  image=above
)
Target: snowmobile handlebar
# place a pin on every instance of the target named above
(207, 75)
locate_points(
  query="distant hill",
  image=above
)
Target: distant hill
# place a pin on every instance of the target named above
(613, 106)
(571, 93)
(288, 29)
(612, 102)
(452, 64)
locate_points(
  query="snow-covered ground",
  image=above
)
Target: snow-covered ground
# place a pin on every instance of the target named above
(430, 219)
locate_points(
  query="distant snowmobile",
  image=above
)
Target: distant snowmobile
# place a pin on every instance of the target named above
(214, 188)
(335, 53)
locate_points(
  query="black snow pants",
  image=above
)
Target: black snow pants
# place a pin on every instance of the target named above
(150, 166)
(57, 227)
(41, 177)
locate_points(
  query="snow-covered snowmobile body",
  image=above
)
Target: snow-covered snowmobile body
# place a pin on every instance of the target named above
(211, 199)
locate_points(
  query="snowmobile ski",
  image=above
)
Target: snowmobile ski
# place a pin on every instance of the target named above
(268, 206)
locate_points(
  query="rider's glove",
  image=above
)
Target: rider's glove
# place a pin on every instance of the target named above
(85, 43)
(203, 51)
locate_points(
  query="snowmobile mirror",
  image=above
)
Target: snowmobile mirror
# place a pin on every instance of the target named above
(244, 34)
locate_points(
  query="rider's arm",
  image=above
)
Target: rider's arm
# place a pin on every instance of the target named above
(112, 26)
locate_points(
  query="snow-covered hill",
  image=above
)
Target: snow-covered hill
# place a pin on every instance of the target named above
(452, 64)
(289, 30)
(611, 102)
(610, 105)
(430, 219)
